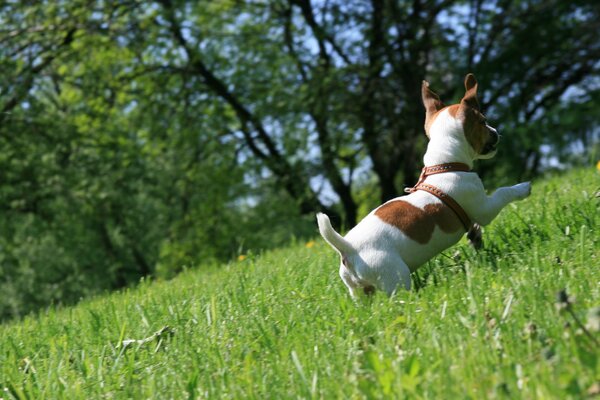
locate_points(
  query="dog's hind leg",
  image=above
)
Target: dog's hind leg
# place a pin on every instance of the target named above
(350, 281)
(394, 275)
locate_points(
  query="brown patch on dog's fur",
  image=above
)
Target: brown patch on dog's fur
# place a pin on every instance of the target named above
(476, 131)
(453, 110)
(418, 224)
(474, 126)
(444, 217)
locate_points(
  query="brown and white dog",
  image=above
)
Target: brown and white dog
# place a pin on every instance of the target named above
(404, 233)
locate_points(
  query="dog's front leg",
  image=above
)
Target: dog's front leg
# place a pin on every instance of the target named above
(490, 206)
(475, 236)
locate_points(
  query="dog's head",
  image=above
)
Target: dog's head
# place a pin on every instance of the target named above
(464, 119)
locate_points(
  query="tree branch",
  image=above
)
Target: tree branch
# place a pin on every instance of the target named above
(289, 43)
(318, 31)
(473, 29)
(290, 178)
(22, 92)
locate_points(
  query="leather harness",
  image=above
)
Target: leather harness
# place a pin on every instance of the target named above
(440, 194)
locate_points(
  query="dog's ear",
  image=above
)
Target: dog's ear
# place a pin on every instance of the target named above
(432, 104)
(431, 101)
(470, 97)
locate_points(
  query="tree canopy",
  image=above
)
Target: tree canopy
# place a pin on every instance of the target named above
(138, 138)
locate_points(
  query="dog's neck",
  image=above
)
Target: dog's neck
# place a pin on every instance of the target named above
(447, 151)
(447, 143)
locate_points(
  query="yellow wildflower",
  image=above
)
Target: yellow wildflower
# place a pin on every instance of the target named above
(310, 244)
(242, 257)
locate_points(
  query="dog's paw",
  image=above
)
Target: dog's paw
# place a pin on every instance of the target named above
(475, 236)
(522, 190)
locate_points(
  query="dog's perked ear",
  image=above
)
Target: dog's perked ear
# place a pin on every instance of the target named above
(470, 97)
(432, 103)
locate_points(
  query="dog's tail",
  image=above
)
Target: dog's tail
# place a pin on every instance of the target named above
(334, 239)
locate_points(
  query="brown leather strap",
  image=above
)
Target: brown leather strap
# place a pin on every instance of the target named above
(448, 167)
(447, 200)
(439, 169)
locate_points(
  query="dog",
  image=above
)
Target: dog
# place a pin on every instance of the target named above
(402, 234)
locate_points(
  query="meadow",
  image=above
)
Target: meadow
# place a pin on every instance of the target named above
(488, 324)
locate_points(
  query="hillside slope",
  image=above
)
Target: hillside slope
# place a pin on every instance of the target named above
(281, 325)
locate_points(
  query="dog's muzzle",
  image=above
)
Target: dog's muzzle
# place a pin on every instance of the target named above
(492, 143)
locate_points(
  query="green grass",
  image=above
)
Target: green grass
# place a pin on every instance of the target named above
(281, 325)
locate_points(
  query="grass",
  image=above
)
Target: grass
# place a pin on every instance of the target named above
(281, 325)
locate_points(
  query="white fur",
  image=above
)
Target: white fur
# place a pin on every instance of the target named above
(377, 254)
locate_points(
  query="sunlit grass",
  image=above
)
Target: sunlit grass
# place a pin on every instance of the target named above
(281, 324)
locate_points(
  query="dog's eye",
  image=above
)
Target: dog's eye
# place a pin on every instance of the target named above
(482, 119)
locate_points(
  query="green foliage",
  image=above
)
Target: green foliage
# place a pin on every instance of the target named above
(140, 139)
(282, 325)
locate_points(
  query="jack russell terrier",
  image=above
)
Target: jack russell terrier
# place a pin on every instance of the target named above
(447, 201)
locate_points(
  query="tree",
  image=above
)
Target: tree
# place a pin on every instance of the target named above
(358, 67)
(138, 138)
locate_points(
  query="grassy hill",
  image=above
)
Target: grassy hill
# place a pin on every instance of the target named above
(281, 325)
